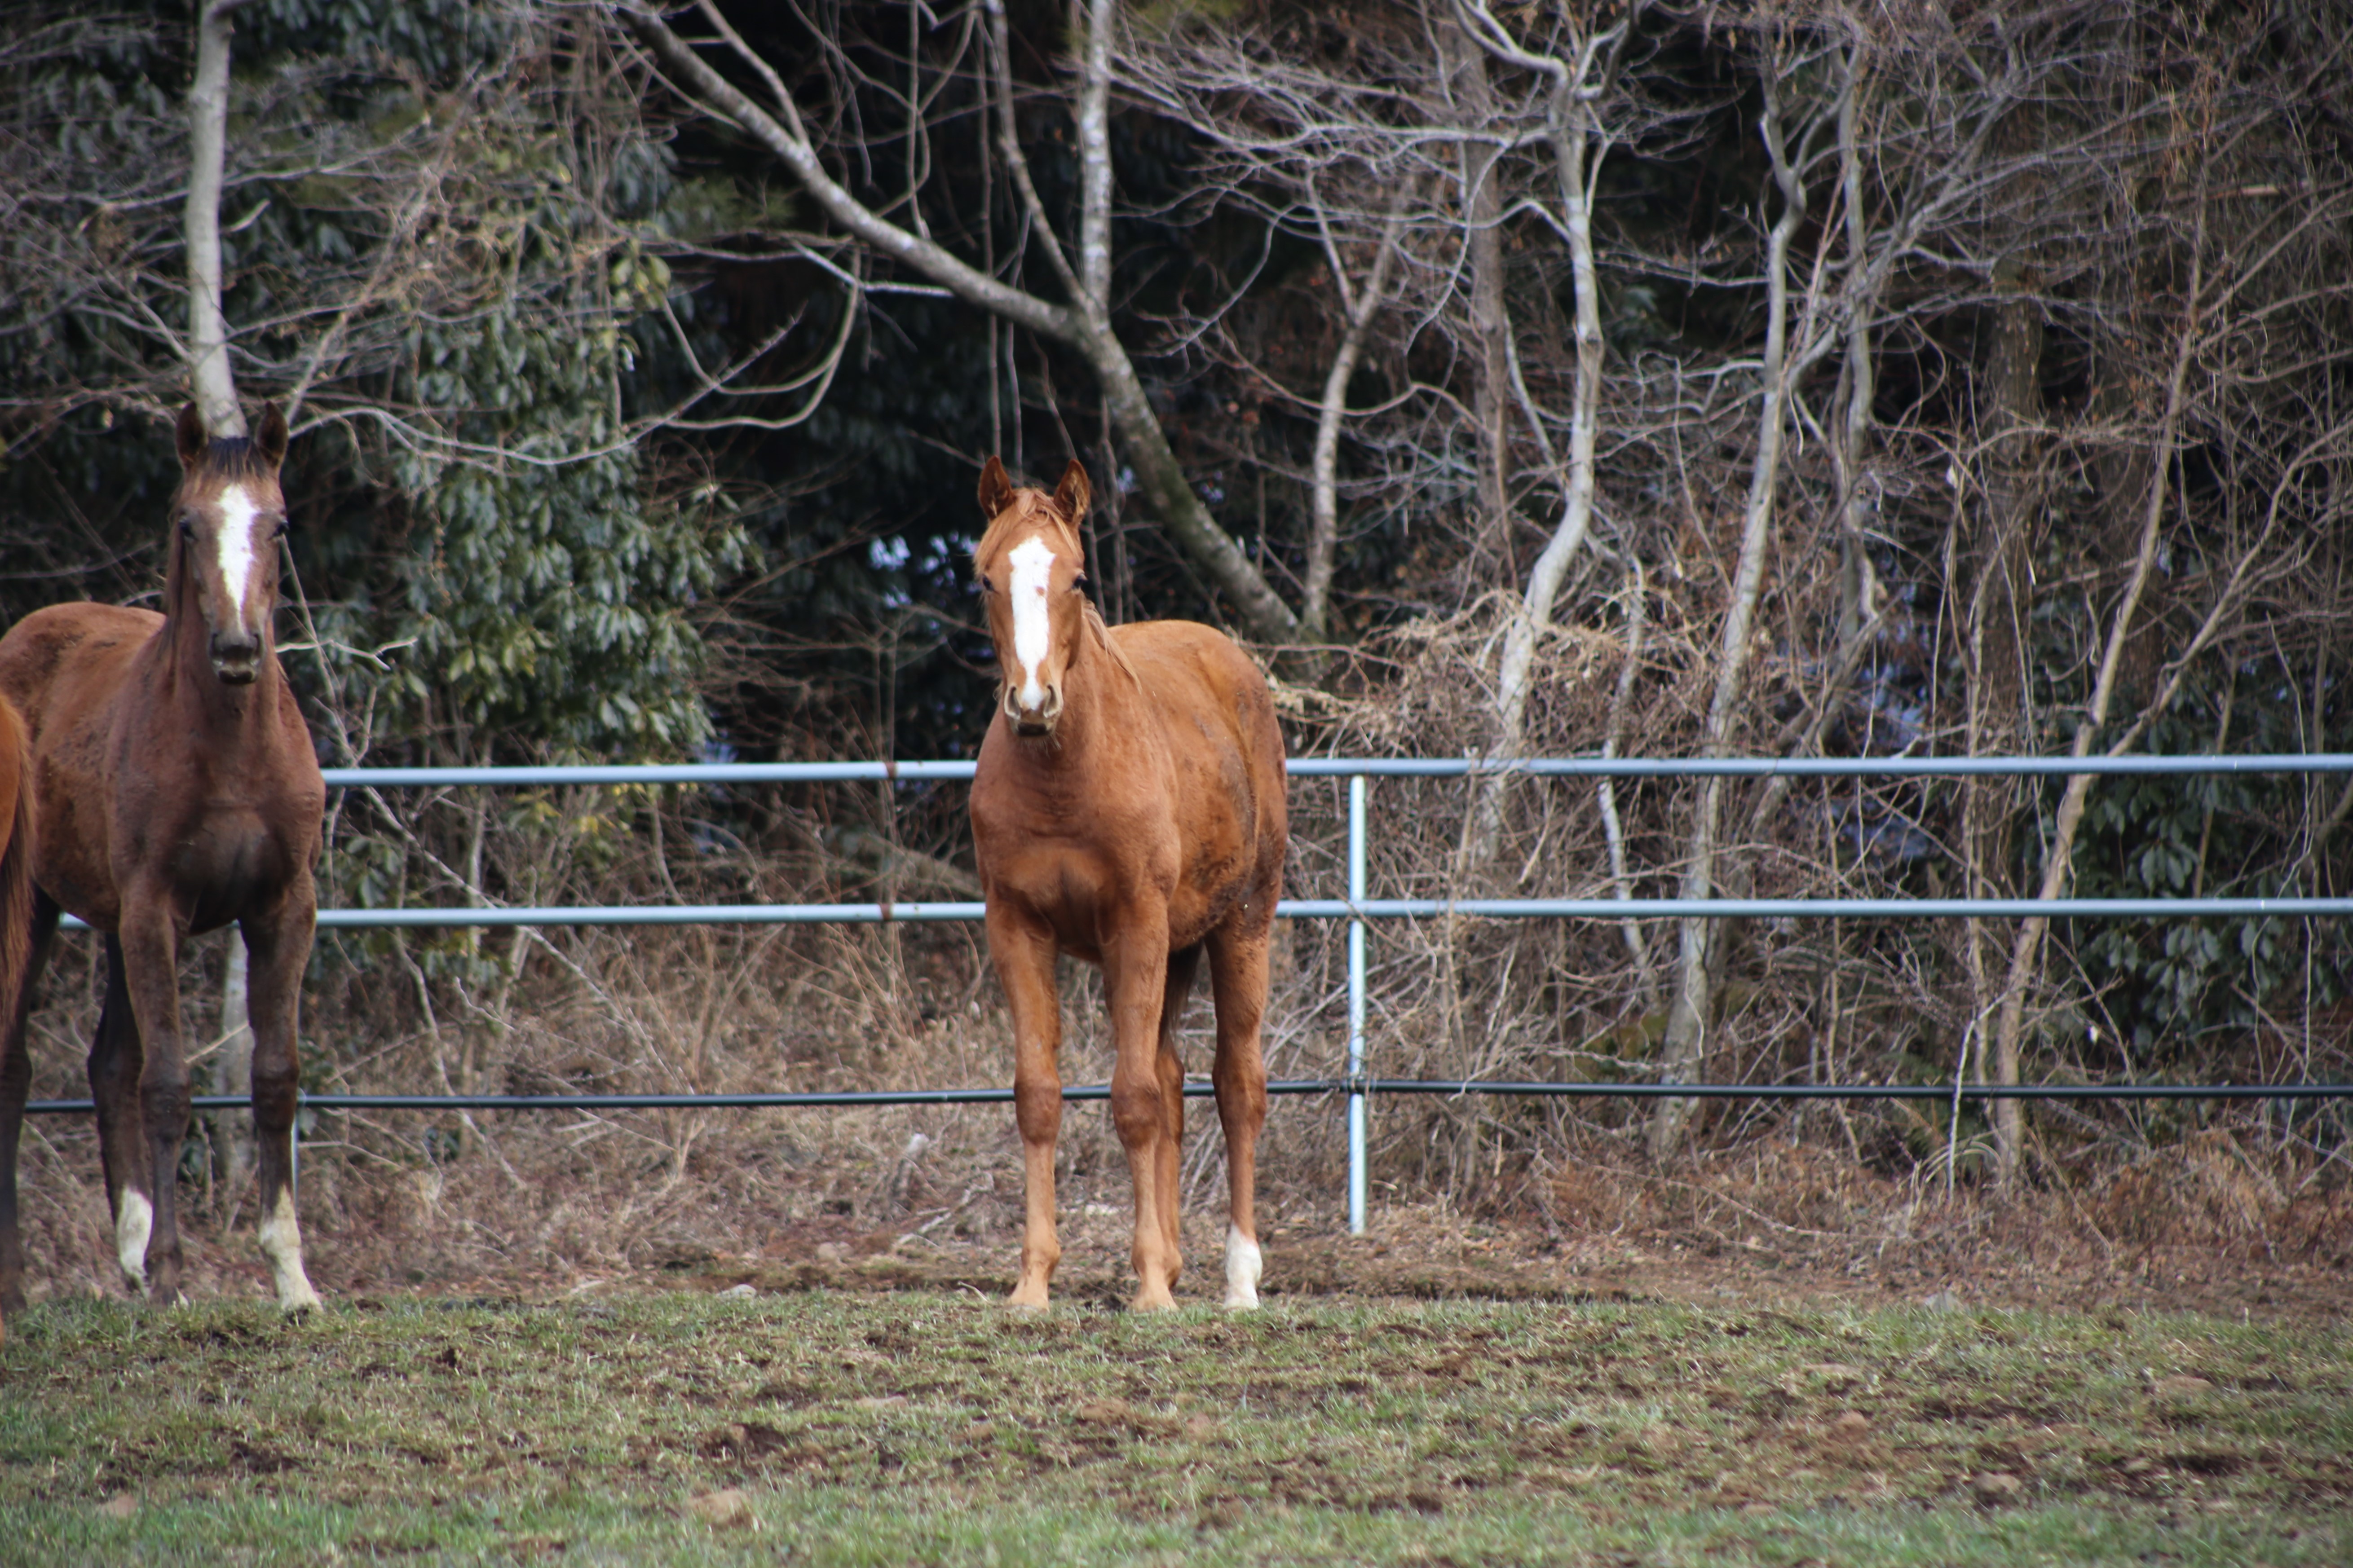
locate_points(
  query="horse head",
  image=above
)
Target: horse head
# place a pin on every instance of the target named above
(1030, 564)
(227, 517)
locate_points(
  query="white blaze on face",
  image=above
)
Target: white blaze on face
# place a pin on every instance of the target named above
(134, 1218)
(237, 554)
(1033, 625)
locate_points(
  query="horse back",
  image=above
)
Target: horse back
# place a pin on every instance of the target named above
(1225, 754)
(64, 664)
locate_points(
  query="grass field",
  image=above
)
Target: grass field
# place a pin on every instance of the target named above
(829, 1428)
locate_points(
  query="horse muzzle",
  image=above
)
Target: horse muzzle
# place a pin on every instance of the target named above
(236, 662)
(1038, 721)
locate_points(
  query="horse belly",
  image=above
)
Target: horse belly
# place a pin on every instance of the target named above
(1196, 909)
(1220, 852)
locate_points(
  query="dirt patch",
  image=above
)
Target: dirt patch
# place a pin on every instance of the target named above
(1958, 1260)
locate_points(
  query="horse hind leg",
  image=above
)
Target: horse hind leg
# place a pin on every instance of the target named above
(1237, 980)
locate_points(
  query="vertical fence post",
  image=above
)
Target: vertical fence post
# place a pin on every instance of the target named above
(1356, 1007)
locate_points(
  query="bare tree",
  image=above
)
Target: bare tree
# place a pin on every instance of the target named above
(1083, 323)
(1688, 1010)
(1576, 79)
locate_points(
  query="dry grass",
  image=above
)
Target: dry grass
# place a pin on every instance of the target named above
(413, 1200)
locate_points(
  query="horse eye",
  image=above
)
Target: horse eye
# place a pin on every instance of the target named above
(986, 587)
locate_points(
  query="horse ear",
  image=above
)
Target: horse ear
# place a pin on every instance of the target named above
(1074, 493)
(996, 488)
(190, 433)
(271, 440)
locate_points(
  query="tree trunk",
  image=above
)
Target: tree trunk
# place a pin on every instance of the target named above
(1532, 617)
(233, 1074)
(2010, 404)
(1683, 1051)
(1482, 220)
(2008, 408)
(2026, 949)
(208, 367)
(214, 384)
(1357, 310)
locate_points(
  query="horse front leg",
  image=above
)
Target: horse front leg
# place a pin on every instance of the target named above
(277, 948)
(1169, 1064)
(1136, 973)
(1023, 952)
(15, 1084)
(1238, 981)
(146, 1040)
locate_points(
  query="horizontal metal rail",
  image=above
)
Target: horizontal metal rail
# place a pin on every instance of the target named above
(1356, 910)
(441, 917)
(1200, 1090)
(1370, 908)
(950, 768)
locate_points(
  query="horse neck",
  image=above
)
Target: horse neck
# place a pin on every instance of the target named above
(1100, 702)
(184, 650)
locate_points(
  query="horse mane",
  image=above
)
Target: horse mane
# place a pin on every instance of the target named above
(228, 458)
(1101, 631)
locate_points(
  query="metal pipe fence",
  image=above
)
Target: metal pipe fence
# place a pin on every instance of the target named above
(1356, 908)
(1200, 1089)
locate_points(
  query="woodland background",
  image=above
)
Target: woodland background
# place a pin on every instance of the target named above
(1535, 379)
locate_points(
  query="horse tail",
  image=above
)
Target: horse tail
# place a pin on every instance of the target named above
(16, 862)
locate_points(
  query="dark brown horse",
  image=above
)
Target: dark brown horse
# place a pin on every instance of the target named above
(1128, 809)
(16, 931)
(175, 790)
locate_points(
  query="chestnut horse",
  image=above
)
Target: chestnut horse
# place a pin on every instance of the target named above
(175, 790)
(1128, 809)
